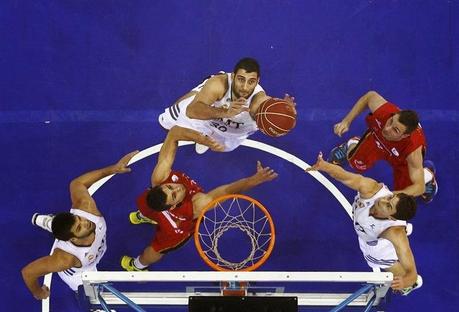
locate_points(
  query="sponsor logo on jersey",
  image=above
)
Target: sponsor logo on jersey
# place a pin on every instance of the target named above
(379, 145)
(394, 151)
(358, 164)
(174, 178)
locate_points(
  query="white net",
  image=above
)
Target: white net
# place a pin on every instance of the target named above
(235, 234)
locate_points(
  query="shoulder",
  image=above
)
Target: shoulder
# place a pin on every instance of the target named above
(217, 83)
(395, 234)
(87, 205)
(386, 108)
(64, 259)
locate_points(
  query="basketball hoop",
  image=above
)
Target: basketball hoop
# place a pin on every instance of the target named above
(220, 227)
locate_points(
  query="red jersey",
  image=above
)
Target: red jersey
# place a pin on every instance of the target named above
(396, 151)
(176, 225)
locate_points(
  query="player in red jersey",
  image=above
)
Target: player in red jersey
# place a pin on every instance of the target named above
(175, 201)
(393, 135)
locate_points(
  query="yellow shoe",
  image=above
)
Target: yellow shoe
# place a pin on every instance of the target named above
(127, 263)
(137, 218)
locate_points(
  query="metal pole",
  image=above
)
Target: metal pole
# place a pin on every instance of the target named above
(122, 297)
(351, 298)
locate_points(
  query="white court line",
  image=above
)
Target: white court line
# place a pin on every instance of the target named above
(249, 143)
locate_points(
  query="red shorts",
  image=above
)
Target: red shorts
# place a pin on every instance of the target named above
(368, 152)
(165, 241)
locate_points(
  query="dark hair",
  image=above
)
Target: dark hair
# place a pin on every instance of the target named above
(62, 226)
(409, 119)
(406, 207)
(156, 199)
(249, 64)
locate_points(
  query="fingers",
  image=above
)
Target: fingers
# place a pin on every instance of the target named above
(290, 99)
(259, 167)
(128, 157)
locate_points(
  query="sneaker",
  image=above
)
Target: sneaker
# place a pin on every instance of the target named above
(409, 229)
(417, 285)
(200, 149)
(338, 155)
(137, 218)
(43, 221)
(431, 186)
(127, 263)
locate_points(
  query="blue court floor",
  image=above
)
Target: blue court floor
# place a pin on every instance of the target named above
(83, 82)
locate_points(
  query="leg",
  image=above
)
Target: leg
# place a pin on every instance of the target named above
(150, 256)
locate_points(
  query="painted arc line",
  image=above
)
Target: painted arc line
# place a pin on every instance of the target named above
(248, 143)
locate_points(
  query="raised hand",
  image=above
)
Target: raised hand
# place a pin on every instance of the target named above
(291, 100)
(43, 293)
(318, 165)
(121, 165)
(236, 107)
(264, 174)
(341, 128)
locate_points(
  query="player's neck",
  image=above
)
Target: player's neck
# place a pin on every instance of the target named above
(85, 241)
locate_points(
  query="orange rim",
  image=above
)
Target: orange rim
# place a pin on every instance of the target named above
(211, 206)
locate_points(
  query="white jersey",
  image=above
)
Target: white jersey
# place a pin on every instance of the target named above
(367, 227)
(89, 256)
(241, 125)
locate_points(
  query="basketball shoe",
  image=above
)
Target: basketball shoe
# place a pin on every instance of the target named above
(338, 155)
(408, 290)
(43, 220)
(127, 263)
(200, 148)
(431, 186)
(137, 218)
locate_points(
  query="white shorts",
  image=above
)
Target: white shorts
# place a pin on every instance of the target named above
(379, 254)
(175, 115)
(72, 277)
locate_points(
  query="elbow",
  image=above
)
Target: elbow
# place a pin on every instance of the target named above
(191, 112)
(371, 94)
(25, 272)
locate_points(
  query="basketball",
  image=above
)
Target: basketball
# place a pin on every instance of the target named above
(275, 117)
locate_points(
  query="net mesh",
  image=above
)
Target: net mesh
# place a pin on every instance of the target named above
(236, 214)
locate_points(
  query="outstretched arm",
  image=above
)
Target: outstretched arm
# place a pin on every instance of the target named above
(57, 262)
(168, 150)
(263, 174)
(416, 172)
(371, 100)
(212, 91)
(397, 236)
(367, 187)
(79, 186)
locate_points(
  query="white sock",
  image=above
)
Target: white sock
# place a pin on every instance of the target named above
(428, 176)
(138, 264)
(352, 142)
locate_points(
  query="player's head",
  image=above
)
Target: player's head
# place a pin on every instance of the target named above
(166, 196)
(246, 75)
(400, 125)
(67, 226)
(396, 206)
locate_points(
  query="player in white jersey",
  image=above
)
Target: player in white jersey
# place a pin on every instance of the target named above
(80, 233)
(223, 106)
(379, 218)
